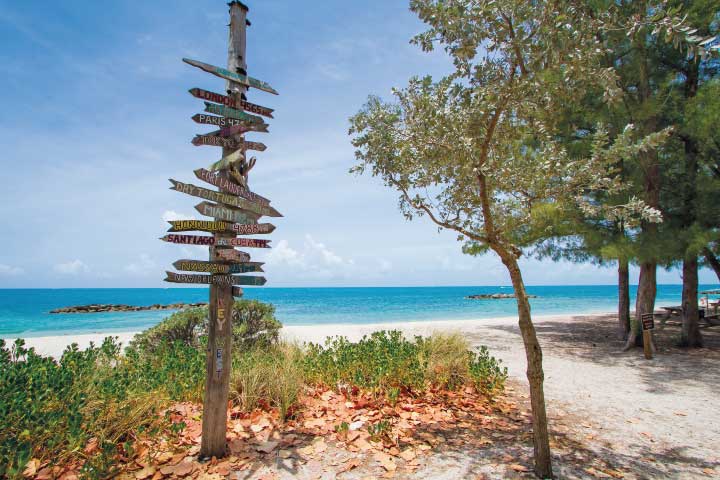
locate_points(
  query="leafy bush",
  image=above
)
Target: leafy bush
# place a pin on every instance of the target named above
(51, 409)
(254, 324)
(388, 363)
(185, 326)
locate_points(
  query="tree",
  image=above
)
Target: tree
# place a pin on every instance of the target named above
(478, 152)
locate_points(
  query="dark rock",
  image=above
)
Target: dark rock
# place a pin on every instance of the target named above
(96, 308)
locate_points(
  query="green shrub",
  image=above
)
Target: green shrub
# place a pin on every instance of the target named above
(51, 409)
(388, 363)
(254, 324)
(185, 326)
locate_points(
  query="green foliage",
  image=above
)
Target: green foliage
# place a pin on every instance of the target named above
(51, 409)
(185, 326)
(270, 377)
(387, 363)
(254, 324)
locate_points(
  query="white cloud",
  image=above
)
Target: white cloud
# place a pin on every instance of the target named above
(74, 267)
(315, 260)
(144, 266)
(172, 215)
(10, 270)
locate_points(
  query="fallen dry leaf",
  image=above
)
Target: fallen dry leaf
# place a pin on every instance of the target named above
(145, 473)
(31, 467)
(518, 467)
(408, 454)
(386, 461)
(349, 465)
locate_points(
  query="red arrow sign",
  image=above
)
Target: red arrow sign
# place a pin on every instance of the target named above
(231, 102)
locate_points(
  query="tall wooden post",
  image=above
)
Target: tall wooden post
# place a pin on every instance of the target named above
(219, 354)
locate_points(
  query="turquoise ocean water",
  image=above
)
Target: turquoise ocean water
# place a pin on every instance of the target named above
(26, 312)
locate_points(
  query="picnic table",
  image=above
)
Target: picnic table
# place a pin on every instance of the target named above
(678, 310)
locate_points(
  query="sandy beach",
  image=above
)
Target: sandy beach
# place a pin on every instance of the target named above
(622, 407)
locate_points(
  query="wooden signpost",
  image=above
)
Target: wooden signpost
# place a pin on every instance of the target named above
(232, 113)
(224, 213)
(225, 198)
(235, 212)
(226, 280)
(220, 226)
(215, 141)
(232, 76)
(232, 187)
(231, 102)
(215, 241)
(242, 126)
(211, 267)
(232, 255)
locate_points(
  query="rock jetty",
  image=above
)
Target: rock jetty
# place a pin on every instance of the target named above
(97, 308)
(494, 296)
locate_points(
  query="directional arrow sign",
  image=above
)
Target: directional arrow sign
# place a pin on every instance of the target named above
(231, 102)
(210, 267)
(227, 214)
(257, 229)
(232, 255)
(242, 242)
(232, 113)
(219, 226)
(216, 141)
(189, 240)
(225, 198)
(254, 146)
(232, 187)
(201, 225)
(222, 242)
(233, 77)
(214, 279)
(226, 162)
(241, 125)
(256, 281)
(203, 279)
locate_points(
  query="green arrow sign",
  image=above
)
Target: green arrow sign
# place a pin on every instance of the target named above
(233, 77)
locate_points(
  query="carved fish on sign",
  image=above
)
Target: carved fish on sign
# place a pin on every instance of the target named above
(232, 76)
(223, 213)
(232, 187)
(232, 113)
(210, 267)
(225, 198)
(226, 162)
(231, 102)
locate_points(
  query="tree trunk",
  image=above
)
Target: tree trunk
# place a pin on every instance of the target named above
(712, 260)
(645, 302)
(623, 298)
(690, 334)
(535, 374)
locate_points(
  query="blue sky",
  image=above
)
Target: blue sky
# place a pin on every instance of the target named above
(96, 118)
